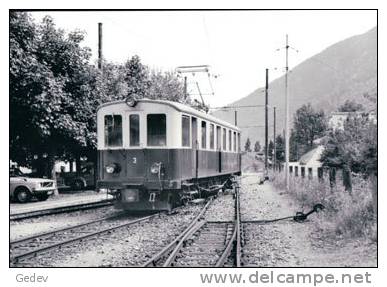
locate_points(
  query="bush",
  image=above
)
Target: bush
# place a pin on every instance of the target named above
(345, 215)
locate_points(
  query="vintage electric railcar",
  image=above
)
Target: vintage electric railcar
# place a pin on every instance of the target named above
(155, 154)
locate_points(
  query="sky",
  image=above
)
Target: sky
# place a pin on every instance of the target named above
(237, 45)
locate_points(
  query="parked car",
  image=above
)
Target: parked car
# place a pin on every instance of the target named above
(77, 181)
(23, 188)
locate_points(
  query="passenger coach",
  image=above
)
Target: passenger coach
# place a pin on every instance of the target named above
(154, 154)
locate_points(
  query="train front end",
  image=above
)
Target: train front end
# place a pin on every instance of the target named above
(136, 161)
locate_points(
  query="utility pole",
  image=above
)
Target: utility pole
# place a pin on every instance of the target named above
(274, 141)
(100, 46)
(266, 119)
(100, 56)
(236, 117)
(287, 117)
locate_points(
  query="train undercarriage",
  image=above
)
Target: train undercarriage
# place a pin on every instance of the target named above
(138, 197)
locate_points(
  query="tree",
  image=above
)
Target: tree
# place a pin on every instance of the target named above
(280, 149)
(51, 104)
(308, 125)
(351, 106)
(165, 85)
(257, 146)
(134, 79)
(137, 78)
(113, 82)
(248, 145)
(55, 92)
(295, 148)
(354, 147)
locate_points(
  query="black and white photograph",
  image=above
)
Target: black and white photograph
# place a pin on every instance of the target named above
(193, 138)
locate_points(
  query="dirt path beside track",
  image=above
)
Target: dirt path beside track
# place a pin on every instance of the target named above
(288, 243)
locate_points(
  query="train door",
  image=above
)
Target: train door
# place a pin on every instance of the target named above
(195, 160)
(219, 147)
(135, 156)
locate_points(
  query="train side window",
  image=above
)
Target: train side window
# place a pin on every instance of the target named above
(234, 141)
(218, 138)
(204, 135)
(113, 130)
(212, 136)
(224, 139)
(134, 128)
(229, 140)
(157, 130)
(185, 131)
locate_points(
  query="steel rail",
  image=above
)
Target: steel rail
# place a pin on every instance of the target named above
(49, 233)
(34, 252)
(162, 253)
(227, 250)
(226, 253)
(265, 221)
(175, 246)
(178, 247)
(238, 229)
(62, 209)
(235, 236)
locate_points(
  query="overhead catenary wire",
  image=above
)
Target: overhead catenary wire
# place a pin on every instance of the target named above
(241, 107)
(322, 62)
(255, 126)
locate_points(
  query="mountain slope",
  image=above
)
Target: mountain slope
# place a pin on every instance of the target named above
(345, 70)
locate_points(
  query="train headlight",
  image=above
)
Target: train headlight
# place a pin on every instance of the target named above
(112, 168)
(131, 102)
(155, 167)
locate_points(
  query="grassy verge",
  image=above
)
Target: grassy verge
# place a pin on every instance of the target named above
(346, 215)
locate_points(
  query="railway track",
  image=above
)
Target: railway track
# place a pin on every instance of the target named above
(34, 246)
(204, 243)
(57, 210)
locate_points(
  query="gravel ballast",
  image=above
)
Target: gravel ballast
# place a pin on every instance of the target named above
(130, 246)
(33, 226)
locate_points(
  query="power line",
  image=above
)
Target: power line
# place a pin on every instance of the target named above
(238, 107)
(316, 59)
(255, 126)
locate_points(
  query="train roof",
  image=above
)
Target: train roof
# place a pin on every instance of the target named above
(179, 107)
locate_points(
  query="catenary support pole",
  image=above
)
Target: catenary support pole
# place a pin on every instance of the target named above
(274, 140)
(266, 120)
(287, 117)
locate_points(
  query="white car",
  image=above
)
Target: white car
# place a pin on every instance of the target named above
(23, 188)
